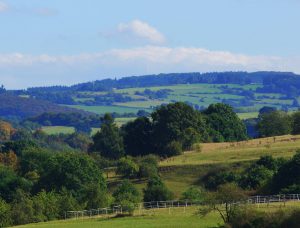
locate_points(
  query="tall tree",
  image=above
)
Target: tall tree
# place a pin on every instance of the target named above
(224, 123)
(274, 123)
(177, 122)
(108, 140)
(138, 137)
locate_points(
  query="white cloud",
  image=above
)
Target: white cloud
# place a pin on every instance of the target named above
(141, 30)
(3, 7)
(29, 70)
(195, 58)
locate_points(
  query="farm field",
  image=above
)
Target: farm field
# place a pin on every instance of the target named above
(200, 95)
(105, 109)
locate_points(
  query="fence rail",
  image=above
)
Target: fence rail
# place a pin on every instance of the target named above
(117, 209)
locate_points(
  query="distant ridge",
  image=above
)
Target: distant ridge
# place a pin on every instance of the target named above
(173, 79)
(12, 106)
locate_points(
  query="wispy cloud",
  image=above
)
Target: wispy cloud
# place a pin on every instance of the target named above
(134, 61)
(3, 7)
(138, 29)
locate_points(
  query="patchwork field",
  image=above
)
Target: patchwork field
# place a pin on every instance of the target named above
(243, 97)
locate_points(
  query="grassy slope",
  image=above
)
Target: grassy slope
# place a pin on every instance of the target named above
(185, 170)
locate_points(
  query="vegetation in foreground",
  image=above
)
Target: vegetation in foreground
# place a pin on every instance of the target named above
(42, 176)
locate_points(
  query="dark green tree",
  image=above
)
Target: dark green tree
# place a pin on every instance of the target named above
(72, 171)
(177, 122)
(108, 140)
(274, 123)
(287, 178)
(138, 137)
(224, 124)
(156, 191)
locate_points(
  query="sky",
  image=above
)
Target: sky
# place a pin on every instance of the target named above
(64, 42)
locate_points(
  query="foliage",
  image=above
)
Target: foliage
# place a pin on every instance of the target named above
(138, 137)
(6, 131)
(5, 214)
(22, 209)
(171, 122)
(226, 195)
(194, 194)
(274, 123)
(72, 171)
(108, 140)
(127, 168)
(286, 177)
(127, 196)
(156, 191)
(247, 217)
(148, 166)
(224, 123)
(10, 182)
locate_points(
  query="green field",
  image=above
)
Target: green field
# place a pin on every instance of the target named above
(164, 217)
(105, 109)
(154, 218)
(196, 94)
(54, 130)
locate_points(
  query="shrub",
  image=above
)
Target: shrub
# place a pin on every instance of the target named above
(148, 166)
(127, 168)
(172, 149)
(194, 194)
(127, 196)
(157, 191)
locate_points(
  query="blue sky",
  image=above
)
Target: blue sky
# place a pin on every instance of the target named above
(48, 42)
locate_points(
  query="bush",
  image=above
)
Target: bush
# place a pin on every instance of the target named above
(148, 166)
(157, 191)
(127, 168)
(127, 196)
(248, 218)
(194, 194)
(172, 149)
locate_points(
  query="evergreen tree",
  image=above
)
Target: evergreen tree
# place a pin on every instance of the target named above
(108, 140)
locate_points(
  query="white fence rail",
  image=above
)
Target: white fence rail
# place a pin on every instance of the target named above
(117, 209)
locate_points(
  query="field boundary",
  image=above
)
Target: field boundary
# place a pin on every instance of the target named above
(147, 206)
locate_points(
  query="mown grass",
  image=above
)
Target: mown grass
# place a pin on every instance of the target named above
(176, 217)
